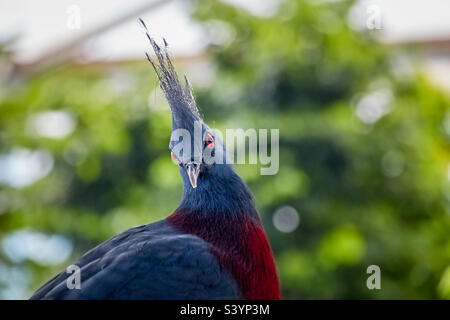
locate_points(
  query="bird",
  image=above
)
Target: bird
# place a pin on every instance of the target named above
(213, 246)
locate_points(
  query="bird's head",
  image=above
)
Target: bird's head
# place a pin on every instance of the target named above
(196, 148)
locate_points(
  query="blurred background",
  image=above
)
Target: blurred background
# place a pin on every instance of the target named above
(359, 91)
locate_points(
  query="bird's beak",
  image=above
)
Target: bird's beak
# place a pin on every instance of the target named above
(193, 170)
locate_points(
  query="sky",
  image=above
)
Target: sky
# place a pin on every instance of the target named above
(40, 25)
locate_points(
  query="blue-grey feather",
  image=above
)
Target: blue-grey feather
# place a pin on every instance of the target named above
(147, 262)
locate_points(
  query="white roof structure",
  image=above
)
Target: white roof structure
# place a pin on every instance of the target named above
(40, 25)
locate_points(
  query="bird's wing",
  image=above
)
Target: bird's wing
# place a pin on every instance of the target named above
(147, 262)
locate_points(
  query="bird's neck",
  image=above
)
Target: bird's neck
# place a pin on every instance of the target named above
(221, 211)
(219, 192)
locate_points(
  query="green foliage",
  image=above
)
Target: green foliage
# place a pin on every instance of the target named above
(369, 190)
(370, 185)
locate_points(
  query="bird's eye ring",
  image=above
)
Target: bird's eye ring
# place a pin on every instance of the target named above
(174, 157)
(209, 141)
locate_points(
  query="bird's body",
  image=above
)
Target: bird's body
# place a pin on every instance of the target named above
(153, 261)
(212, 247)
(192, 254)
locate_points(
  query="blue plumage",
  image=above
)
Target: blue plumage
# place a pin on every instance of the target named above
(147, 262)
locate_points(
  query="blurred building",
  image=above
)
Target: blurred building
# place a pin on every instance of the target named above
(105, 31)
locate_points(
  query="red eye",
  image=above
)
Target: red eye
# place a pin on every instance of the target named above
(209, 141)
(174, 157)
